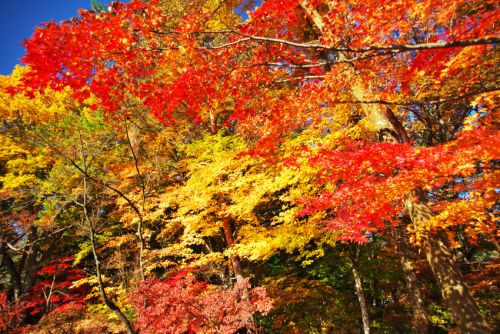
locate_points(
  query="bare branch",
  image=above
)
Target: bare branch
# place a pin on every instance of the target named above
(420, 102)
(397, 48)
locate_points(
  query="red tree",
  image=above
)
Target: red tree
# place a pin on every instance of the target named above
(57, 289)
(184, 305)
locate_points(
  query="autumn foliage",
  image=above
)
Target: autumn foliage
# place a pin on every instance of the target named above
(58, 288)
(9, 313)
(184, 305)
(342, 156)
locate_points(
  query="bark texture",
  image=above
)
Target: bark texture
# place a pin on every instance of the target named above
(420, 319)
(455, 292)
(34, 265)
(235, 259)
(387, 126)
(353, 258)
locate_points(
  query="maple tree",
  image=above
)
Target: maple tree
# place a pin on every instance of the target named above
(192, 134)
(182, 304)
(9, 314)
(53, 291)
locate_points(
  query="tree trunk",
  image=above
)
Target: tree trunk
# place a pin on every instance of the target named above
(112, 306)
(453, 288)
(353, 259)
(34, 265)
(15, 277)
(383, 122)
(235, 259)
(3, 235)
(134, 141)
(362, 301)
(420, 319)
(495, 243)
(394, 296)
(455, 292)
(228, 233)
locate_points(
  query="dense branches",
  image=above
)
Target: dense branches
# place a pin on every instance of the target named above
(266, 147)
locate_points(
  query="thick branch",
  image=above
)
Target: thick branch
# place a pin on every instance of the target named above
(421, 102)
(398, 48)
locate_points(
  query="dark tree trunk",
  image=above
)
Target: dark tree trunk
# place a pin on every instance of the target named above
(2, 247)
(34, 265)
(15, 277)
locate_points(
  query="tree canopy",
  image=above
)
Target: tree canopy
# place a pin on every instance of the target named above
(223, 166)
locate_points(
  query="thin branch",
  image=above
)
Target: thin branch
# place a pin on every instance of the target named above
(40, 239)
(303, 78)
(143, 188)
(51, 288)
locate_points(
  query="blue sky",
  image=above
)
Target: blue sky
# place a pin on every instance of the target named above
(19, 17)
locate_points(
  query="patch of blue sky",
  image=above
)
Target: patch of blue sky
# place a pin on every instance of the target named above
(19, 18)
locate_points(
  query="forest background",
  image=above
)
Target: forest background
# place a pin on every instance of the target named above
(296, 166)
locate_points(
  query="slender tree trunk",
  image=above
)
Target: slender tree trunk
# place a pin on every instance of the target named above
(353, 259)
(112, 306)
(49, 297)
(420, 319)
(362, 301)
(235, 259)
(374, 287)
(455, 292)
(394, 296)
(228, 233)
